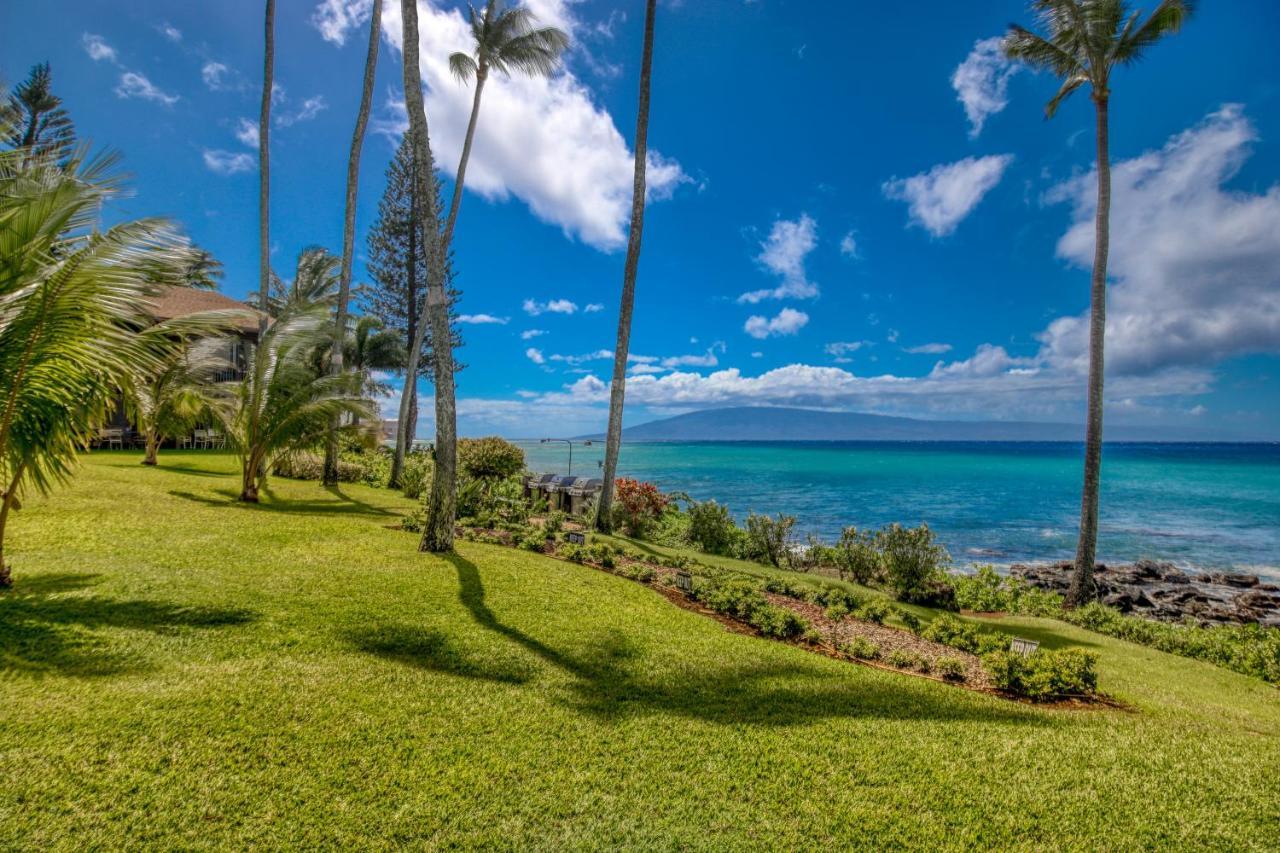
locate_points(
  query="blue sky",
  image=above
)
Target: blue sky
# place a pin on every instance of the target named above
(855, 206)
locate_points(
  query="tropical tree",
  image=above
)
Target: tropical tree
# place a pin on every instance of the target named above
(437, 532)
(264, 164)
(330, 470)
(1083, 42)
(314, 283)
(398, 266)
(203, 270)
(167, 397)
(72, 298)
(370, 347)
(283, 403)
(618, 390)
(33, 116)
(505, 40)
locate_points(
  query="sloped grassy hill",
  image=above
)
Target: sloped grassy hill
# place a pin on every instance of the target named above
(179, 670)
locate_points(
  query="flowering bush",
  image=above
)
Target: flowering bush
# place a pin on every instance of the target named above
(639, 504)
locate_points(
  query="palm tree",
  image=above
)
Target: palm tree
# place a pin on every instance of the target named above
(283, 403)
(34, 118)
(203, 270)
(1084, 41)
(168, 398)
(72, 298)
(617, 393)
(330, 470)
(505, 41)
(437, 533)
(264, 164)
(369, 347)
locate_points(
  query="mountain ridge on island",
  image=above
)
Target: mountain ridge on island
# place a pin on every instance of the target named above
(775, 423)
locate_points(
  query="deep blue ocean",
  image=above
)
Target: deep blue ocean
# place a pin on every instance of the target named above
(1201, 506)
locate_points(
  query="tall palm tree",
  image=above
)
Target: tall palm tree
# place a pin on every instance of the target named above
(1084, 41)
(505, 41)
(264, 163)
(72, 298)
(330, 471)
(437, 533)
(617, 393)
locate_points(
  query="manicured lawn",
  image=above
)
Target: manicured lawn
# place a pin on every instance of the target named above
(182, 671)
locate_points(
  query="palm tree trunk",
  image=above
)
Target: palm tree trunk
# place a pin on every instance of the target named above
(264, 166)
(7, 502)
(618, 390)
(249, 478)
(482, 72)
(153, 448)
(330, 474)
(437, 534)
(1082, 589)
(407, 417)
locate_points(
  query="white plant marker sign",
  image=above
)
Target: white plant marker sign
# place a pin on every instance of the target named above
(1023, 647)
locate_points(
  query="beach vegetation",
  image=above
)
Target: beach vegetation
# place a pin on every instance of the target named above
(490, 458)
(857, 557)
(640, 505)
(767, 539)
(1045, 673)
(712, 529)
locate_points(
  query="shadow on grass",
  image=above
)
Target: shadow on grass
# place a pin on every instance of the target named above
(611, 681)
(433, 651)
(174, 469)
(343, 504)
(43, 629)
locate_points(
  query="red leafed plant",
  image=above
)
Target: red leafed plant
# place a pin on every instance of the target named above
(639, 503)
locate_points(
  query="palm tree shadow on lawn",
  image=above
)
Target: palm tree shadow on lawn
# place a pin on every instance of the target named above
(606, 684)
(44, 628)
(343, 505)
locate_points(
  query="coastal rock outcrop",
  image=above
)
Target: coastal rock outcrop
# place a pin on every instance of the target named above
(1162, 591)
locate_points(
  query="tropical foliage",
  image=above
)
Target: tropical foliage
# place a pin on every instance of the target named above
(33, 119)
(72, 299)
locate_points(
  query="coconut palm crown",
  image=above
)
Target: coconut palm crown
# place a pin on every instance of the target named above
(1086, 39)
(506, 40)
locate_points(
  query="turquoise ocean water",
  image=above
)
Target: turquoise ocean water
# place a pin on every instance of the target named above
(1198, 505)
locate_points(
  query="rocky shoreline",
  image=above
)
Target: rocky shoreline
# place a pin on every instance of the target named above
(1162, 591)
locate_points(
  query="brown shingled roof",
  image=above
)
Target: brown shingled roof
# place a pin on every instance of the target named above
(173, 301)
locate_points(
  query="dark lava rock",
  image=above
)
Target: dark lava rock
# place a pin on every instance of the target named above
(1231, 579)
(1162, 591)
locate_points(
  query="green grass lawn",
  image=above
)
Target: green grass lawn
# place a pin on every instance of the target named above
(182, 671)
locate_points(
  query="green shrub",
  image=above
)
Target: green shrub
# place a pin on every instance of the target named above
(1248, 649)
(415, 520)
(874, 610)
(711, 528)
(601, 554)
(1045, 673)
(951, 669)
(671, 528)
(987, 591)
(304, 465)
(637, 572)
(553, 523)
(905, 659)
(836, 612)
(742, 599)
(573, 553)
(857, 557)
(415, 476)
(912, 559)
(768, 539)
(534, 540)
(910, 621)
(861, 648)
(812, 636)
(490, 458)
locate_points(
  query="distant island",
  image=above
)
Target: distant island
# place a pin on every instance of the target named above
(749, 423)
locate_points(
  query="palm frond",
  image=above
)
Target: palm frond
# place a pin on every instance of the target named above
(462, 66)
(1167, 18)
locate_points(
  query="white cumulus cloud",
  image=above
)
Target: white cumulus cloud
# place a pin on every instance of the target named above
(783, 253)
(787, 322)
(982, 82)
(97, 48)
(134, 85)
(533, 307)
(226, 162)
(938, 200)
(483, 319)
(545, 141)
